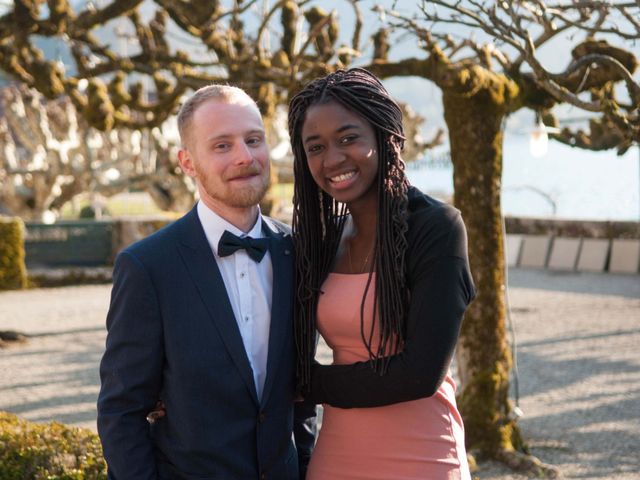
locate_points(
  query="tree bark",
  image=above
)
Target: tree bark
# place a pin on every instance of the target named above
(475, 124)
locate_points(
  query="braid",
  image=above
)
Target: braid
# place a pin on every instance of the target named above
(318, 219)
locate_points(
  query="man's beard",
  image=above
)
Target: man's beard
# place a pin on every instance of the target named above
(248, 196)
(238, 197)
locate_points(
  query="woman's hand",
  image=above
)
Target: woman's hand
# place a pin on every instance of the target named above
(157, 413)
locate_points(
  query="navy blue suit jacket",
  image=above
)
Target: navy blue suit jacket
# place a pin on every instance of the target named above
(172, 335)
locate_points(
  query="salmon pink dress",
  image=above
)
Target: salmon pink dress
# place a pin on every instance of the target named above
(418, 439)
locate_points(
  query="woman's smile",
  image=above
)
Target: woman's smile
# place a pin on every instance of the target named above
(343, 180)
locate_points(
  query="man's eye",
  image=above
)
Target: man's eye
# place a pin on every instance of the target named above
(221, 146)
(254, 141)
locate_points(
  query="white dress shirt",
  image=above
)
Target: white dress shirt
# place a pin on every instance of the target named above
(249, 288)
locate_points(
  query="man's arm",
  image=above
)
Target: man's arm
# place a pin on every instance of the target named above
(304, 432)
(130, 372)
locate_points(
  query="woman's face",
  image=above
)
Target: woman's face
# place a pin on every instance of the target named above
(341, 152)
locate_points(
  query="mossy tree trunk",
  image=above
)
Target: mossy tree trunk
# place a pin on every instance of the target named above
(13, 272)
(476, 134)
(267, 102)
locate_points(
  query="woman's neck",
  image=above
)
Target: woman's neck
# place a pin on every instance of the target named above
(363, 226)
(364, 219)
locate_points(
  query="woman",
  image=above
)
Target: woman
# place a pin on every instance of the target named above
(366, 241)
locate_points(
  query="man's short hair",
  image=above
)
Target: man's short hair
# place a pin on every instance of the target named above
(222, 93)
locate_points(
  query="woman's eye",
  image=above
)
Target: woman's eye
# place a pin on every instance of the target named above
(314, 148)
(348, 138)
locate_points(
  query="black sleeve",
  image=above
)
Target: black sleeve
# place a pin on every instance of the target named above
(440, 289)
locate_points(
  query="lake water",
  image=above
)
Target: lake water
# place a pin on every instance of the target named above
(566, 183)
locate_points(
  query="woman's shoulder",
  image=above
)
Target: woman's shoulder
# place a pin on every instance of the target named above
(435, 228)
(425, 210)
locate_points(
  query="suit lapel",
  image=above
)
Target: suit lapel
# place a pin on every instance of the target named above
(202, 267)
(281, 252)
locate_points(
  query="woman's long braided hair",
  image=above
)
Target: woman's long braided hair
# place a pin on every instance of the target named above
(318, 219)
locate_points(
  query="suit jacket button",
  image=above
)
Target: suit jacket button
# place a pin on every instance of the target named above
(263, 476)
(261, 417)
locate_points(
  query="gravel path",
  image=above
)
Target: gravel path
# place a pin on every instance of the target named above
(578, 338)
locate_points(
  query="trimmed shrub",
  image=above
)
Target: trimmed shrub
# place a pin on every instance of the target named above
(33, 451)
(13, 273)
(88, 212)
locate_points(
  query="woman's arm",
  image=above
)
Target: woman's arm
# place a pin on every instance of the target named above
(441, 289)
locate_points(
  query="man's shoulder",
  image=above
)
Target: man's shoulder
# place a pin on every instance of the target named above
(276, 225)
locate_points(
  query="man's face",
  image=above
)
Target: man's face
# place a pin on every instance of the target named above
(225, 151)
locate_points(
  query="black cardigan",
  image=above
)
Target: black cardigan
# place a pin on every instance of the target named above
(441, 287)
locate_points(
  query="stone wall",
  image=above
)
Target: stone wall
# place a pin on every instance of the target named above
(573, 228)
(573, 245)
(612, 246)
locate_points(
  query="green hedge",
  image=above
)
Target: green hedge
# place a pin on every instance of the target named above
(13, 273)
(32, 451)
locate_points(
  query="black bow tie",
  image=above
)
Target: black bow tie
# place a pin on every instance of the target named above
(255, 247)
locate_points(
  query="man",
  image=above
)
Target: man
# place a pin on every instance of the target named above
(201, 319)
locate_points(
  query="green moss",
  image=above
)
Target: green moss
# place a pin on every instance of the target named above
(13, 274)
(289, 17)
(31, 451)
(117, 90)
(485, 406)
(99, 111)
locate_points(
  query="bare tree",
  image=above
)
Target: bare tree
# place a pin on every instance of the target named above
(50, 155)
(140, 83)
(141, 86)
